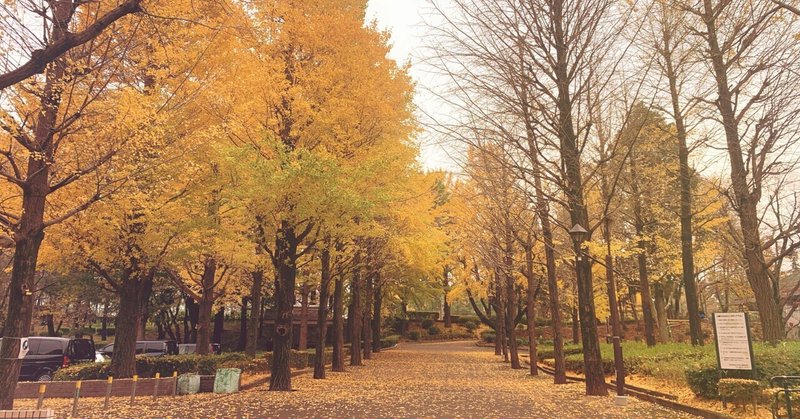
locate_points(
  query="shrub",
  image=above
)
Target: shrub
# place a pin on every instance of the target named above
(739, 391)
(427, 323)
(398, 324)
(488, 336)
(433, 331)
(703, 380)
(422, 315)
(463, 320)
(389, 341)
(414, 335)
(470, 325)
(198, 364)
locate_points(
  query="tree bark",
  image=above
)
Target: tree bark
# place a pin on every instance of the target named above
(29, 234)
(338, 325)
(448, 322)
(367, 317)
(255, 312)
(322, 314)
(511, 300)
(205, 306)
(686, 216)
(285, 261)
(219, 326)
(356, 313)
(242, 346)
(746, 199)
(661, 311)
(377, 300)
(531, 295)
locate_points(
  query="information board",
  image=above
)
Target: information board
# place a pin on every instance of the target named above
(732, 335)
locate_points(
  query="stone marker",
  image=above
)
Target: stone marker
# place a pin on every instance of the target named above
(227, 380)
(188, 384)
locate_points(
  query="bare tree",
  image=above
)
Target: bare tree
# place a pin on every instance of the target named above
(756, 76)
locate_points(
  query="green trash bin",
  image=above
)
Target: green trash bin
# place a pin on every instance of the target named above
(188, 384)
(227, 380)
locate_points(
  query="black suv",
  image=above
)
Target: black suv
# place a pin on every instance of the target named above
(147, 348)
(46, 355)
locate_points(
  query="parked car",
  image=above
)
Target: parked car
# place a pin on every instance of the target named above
(191, 348)
(146, 348)
(46, 355)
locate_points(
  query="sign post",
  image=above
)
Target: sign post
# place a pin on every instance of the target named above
(734, 344)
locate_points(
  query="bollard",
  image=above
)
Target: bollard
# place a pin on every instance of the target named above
(108, 392)
(155, 386)
(42, 389)
(133, 388)
(75, 400)
(175, 386)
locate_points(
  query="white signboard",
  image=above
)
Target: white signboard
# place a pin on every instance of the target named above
(733, 341)
(23, 348)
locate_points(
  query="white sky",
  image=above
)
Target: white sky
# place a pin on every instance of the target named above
(404, 18)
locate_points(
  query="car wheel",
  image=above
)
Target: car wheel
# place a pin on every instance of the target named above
(45, 376)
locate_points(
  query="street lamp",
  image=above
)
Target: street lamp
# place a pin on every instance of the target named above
(578, 233)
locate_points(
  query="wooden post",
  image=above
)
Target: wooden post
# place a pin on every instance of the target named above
(155, 385)
(42, 389)
(75, 400)
(108, 392)
(133, 388)
(175, 386)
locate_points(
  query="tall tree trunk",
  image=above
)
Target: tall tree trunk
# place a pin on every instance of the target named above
(123, 359)
(356, 313)
(51, 328)
(255, 312)
(242, 345)
(29, 233)
(685, 175)
(285, 259)
(303, 340)
(747, 199)
(104, 322)
(661, 311)
(205, 306)
(219, 326)
(533, 287)
(511, 300)
(543, 212)
(322, 313)
(377, 300)
(448, 322)
(338, 325)
(571, 159)
(367, 317)
(144, 306)
(576, 334)
(641, 257)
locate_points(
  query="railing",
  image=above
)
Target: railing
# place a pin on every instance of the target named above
(787, 384)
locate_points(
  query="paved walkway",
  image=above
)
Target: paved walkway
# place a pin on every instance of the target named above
(454, 380)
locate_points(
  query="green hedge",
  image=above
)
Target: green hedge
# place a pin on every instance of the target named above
(147, 367)
(784, 359)
(389, 341)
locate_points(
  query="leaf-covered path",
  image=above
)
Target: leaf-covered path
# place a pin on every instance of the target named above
(454, 379)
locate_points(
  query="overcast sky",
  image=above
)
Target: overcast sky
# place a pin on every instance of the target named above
(404, 18)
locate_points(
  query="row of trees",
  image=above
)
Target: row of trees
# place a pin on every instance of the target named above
(210, 146)
(663, 129)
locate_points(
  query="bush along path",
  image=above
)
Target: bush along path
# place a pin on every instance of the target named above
(447, 379)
